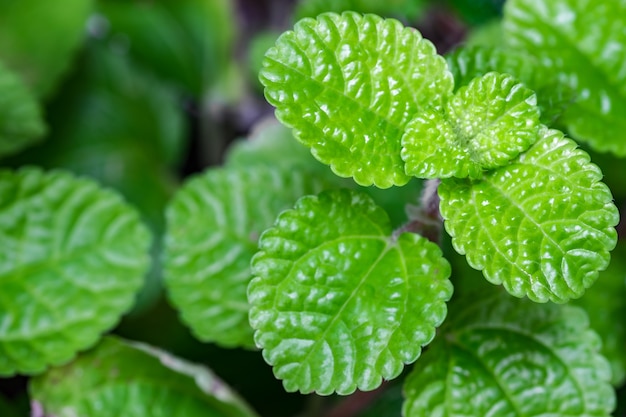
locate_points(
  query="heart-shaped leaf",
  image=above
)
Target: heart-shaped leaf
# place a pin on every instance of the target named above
(348, 84)
(542, 226)
(338, 302)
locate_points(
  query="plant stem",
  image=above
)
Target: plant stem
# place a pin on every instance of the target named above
(425, 219)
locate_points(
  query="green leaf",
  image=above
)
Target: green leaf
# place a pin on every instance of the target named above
(272, 144)
(26, 43)
(213, 224)
(605, 303)
(119, 378)
(338, 302)
(21, 121)
(553, 97)
(585, 43)
(482, 127)
(405, 9)
(186, 42)
(507, 357)
(73, 257)
(542, 226)
(348, 84)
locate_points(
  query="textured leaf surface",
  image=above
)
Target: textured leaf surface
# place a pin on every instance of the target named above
(41, 53)
(337, 302)
(512, 358)
(553, 97)
(542, 226)
(21, 121)
(585, 42)
(485, 125)
(605, 303)
(119, 378)
(348, 85)
(407, 9)
(213, 224)
(73, 257)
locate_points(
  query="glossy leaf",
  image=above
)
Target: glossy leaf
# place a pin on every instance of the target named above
(542, 226)
(585, 43)
(26, 43)
(512, 358)
(73, 257)
(482, 127)
(119, 378)
(553, 97)
(21, 121)
(338, 302)
(605, 303)
(213, 224)
(348, 85)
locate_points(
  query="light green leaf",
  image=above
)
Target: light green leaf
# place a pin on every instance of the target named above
(73, 257)
(119, 378)
(482, 127)
(584, 41)
(213, 224)
(512, 358)
(401, 9)
(553, 97)
(21, 121)
(38, 39)
(605, 303)
(542, 226)
(348, 85)
(338, 302)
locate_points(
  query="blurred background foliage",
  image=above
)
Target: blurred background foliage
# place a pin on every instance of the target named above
(141, 94)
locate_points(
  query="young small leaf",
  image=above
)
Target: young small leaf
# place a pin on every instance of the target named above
(553, 96)
(482, 127)
(119, 378)
(348, 84)
(512, 358)
(542, 226)
(338, 302)
(583, 41)
(73, 257)
(21, 121)
(213, 224)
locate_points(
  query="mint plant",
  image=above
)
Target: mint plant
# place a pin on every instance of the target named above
(430, 219)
